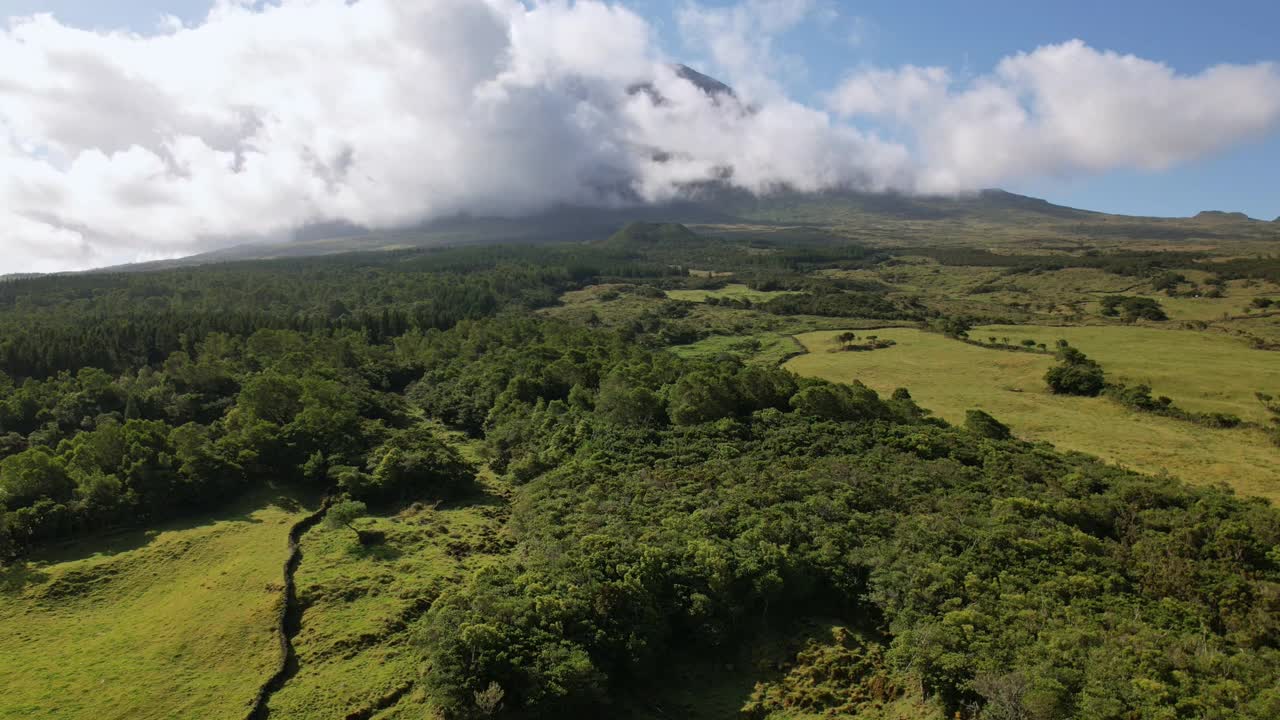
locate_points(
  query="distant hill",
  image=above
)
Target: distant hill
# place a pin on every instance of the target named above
(1222, 215)
(645, 233)
(989, 217)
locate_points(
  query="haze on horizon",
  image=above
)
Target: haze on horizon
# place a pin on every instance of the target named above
(260, 118)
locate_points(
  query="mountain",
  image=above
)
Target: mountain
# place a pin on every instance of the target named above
(988, 217)
(1221, 215)
(705, 83)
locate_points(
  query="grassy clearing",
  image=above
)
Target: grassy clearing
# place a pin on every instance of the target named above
(733, 291)
(1204, 372)
(616, 306)
(174, 623)
(762, 349)
(353, 651)
(950, 377)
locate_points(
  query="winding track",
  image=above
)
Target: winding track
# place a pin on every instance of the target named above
(290, 618)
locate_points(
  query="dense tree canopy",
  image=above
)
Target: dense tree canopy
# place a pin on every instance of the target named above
(662, 508)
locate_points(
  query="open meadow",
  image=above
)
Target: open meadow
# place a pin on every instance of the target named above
(950, 377)
(732, 291)
(1202, 372)
(175, 623)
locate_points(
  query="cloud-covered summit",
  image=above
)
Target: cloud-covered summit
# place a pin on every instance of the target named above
(266, 117)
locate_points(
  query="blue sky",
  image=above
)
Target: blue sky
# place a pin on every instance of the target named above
(971, 37)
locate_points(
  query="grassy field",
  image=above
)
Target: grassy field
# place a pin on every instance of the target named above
(353, 652)
(733, 291)
(1067, 295)
(177, 623)
(950, 377)
(1204, 372)
(762, 349)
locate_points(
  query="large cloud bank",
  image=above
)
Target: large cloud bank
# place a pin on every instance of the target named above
(264, 118)
(1063, 109)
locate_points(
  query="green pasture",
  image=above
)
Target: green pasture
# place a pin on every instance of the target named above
(1201, 371)
(950, 377)
(732, 291)
(177, 623)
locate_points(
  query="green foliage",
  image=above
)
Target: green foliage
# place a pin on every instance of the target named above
(829, 401)
(415, 463)
(838, 303)
(624, 403)
(32, 475)
(280, 406)
(1130, 308)
(955, 327)
(1075, 374)
(1138, 397)
(830, 679)
(1273, 409)
(982, 424)
(662, 508)
(802, 513)
(345, 512)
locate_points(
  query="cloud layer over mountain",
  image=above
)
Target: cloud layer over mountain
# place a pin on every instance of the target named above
(262, 118)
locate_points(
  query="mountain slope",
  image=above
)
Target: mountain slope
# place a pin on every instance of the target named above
(990, 217)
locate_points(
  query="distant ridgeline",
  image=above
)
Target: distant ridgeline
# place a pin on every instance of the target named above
(664, 510)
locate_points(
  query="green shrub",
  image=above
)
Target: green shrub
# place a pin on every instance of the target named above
(981, 423)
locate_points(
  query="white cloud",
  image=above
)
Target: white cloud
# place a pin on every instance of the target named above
(739, 40)
(265, 117)
(900, 94)
(1064, 109)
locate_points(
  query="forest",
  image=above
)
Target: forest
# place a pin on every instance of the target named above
(663, 509)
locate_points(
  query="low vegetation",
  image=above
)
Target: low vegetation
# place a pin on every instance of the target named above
(1075, 374)
(743, 472)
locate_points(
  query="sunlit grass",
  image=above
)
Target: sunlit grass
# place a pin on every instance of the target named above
(950, 377)
(175, 624)
(1203, 372)
(734, 291)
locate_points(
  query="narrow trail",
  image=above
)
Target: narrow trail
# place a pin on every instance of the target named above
(290, 620)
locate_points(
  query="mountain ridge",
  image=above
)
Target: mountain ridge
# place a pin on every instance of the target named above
(856, 215)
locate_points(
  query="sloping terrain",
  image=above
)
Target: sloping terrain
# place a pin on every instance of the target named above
(988, 218)
(950, 377)
(174, 623)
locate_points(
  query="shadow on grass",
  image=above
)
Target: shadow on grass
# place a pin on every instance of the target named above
(712, 686)
(110, 543)
(381, 551)
(15, 577)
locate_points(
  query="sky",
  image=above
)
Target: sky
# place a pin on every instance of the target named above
(145, 129)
